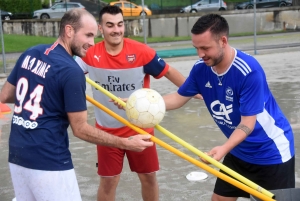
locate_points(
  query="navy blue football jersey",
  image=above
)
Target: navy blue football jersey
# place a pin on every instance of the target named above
(49, 84)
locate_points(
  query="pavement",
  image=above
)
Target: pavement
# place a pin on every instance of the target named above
(279, 57)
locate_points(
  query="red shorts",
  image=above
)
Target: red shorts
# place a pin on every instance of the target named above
(110, 160)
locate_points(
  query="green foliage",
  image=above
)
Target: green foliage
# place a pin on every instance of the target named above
(20, 6)
(46, 4)
(19, 43)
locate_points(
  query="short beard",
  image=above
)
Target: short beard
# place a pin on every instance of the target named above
(75, 49)
(219, 58)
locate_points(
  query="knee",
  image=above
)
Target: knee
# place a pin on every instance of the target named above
(148, 179)
(109, 183)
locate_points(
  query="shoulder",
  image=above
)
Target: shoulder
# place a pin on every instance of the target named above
(245, 63)
(137, 45)
(38, 49)
(95, 48)
(199, 65)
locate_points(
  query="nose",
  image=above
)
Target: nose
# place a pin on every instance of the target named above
(116, 29)
(91, 41)
(200, 53)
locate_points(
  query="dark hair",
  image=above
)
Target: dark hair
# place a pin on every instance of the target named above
(73, 18)
(215, 23)
(110, 9)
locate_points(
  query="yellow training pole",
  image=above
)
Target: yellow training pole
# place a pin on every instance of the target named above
(190, 147)
(181, 154)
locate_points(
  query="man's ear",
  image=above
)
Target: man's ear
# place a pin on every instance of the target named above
(69, 30)
(224, 41)
(100, 28)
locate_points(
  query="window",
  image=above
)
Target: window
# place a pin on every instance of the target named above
(204, 2)
(59, 6)
(129, 5)
(118, 4)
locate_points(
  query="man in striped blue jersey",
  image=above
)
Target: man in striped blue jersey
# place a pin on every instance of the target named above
(260, 143)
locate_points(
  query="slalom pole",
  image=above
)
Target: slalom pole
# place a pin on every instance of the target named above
(190, 147)
(181, 154)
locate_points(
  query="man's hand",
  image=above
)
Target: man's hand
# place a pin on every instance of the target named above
(119, 105)
(216, 153)
(137, 142)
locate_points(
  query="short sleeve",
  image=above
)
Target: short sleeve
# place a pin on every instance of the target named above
(12, 78)
(74, 91)
(189, 87)
(156, 66)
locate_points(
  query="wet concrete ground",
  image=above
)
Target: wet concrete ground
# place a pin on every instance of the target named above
(191, 123)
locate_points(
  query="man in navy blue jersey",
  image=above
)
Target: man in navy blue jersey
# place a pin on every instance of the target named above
(260, 143)
(48, 89)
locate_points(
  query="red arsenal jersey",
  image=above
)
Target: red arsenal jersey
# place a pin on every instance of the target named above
(121, 75)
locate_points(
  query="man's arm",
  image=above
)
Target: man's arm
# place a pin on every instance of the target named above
(242, 131)
(7, 94)
(175, 76)
(174, 101)
(86, 132)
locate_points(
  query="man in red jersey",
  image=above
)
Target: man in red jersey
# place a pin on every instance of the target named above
(121, 66)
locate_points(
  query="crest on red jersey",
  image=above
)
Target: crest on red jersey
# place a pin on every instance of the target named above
(130, 58)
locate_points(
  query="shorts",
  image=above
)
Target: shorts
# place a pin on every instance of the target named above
(110, 160)
(36, 185)
(270, 177)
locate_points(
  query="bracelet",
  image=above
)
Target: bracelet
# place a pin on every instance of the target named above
(244, 128)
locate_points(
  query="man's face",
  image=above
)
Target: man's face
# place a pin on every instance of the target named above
(84, 37)
(112, 28)
(208, 48)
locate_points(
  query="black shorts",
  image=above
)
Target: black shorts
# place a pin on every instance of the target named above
(270, 177)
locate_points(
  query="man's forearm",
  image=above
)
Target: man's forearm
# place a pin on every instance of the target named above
(175, 76)
(96, 136)
(7, 94)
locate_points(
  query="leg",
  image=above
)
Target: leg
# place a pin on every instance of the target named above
(110, 165)
(34, 185)
(20, 182)
(149, 186)
(107, 188)
(145, 164)
(216, 197)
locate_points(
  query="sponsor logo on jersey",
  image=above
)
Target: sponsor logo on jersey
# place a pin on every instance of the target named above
(229, 94)
(113, 84)
(221, 113)
(208, 85)
(130, 58)
(25, 123)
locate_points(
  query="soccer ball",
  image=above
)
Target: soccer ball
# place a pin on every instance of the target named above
(145, 108)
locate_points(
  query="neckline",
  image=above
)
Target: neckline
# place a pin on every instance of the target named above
(233, 54)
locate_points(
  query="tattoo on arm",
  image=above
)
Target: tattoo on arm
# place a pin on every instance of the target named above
(244, 128)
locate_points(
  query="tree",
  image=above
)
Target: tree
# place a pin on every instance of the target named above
(296, 2)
